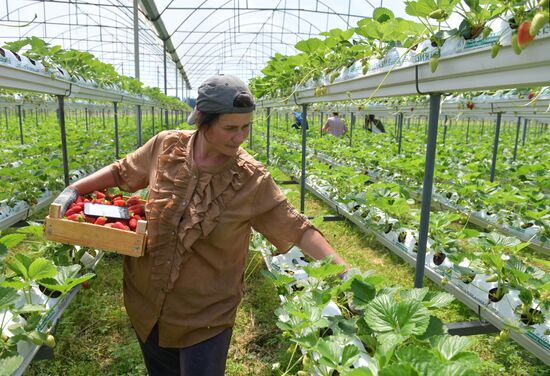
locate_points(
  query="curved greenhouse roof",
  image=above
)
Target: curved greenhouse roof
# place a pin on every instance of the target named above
(202, 37)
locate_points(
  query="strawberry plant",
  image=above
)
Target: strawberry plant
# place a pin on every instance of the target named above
(439, 230)
(23, 320)
(477, 15)
(387, 330)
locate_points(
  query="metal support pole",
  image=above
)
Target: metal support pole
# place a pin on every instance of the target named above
(351, 129)
(467, 130)
(444, 129)
(396, 128)
(303, 176)
(6, 116)
(86, 114)
(20, 124)
(321, 128)
(138, 124)
(250, 136)
(435, 102)
(268, 131)
(495, 146)
(524, 132)
(400, 129)
(482, 126)
(165, 85)
(103, 116)
(286, 121)
(116, 128)
(36, 117)
(517, 137)
(61, 117)
(136, 40)
(153, 118)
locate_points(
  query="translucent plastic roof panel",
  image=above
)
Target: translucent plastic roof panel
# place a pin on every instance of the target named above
(102, 27)
(239, 36)
(208, 36)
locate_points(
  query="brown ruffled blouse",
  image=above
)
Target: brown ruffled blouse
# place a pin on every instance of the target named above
(191, 278)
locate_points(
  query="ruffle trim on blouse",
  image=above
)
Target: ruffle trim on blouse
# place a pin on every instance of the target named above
(209, 198)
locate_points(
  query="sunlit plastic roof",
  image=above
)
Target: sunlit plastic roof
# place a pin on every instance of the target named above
(208, 36)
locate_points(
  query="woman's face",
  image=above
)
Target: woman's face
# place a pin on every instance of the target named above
(228, 133)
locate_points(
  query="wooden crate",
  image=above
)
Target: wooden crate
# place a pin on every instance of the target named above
(89, 235)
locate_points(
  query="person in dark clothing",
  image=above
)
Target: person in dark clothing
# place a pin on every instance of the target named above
(298, 121)
(373, 125)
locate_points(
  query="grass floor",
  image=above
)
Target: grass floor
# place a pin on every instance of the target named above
(94, 336)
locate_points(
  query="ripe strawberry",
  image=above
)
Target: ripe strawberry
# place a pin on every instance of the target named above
(133, 200)
(86, 285)
(531, 95)
(118, 195)
(470, 105)
(80, 198)
(73, 210)
(89, 218)
(120, 226)
(119, 202)
(136, 209)
(132, 223)
(76, 217)
(100, 221)
(524, 37)
(99, 195)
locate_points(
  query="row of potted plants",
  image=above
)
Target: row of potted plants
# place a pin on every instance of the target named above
(36, 55)
(377, 206)
(499, 203)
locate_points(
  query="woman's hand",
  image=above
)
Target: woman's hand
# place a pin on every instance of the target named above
(317, 247)
(65, 199)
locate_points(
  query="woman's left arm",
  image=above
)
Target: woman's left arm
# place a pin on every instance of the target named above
(317, 247)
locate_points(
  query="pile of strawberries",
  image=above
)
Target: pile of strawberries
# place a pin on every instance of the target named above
(134, 204)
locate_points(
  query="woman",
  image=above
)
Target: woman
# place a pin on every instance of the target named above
(205, 195)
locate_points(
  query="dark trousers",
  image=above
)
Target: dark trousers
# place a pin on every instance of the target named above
(206, 358)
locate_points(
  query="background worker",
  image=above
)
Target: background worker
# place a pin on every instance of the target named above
(373, 125)
(335, 126)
